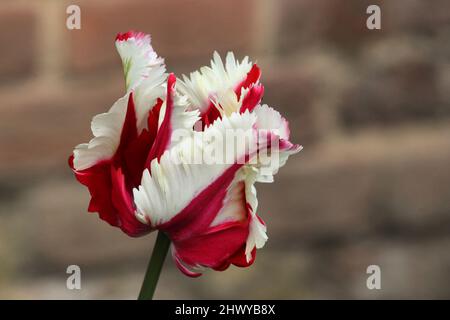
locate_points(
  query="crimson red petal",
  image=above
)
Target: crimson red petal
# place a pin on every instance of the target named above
(196, 242)
(252, 78)
(137, 150)
(129, 34)
(239, 259)
(123, 202)
(185, 269)
(110, 182)
(98, 181)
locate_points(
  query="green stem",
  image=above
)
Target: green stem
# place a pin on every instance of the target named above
(154, 267)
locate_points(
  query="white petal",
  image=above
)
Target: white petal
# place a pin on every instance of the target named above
(106, 128)
(181, 117)
(257, 236)
(145, 74)
(270, 119)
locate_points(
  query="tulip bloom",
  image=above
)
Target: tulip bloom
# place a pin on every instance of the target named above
(141, 178)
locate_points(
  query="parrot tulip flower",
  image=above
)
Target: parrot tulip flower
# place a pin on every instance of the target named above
(140, 172)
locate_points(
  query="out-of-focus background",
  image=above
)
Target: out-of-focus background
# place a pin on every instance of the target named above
(371, 107)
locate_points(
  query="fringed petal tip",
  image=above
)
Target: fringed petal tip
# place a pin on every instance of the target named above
(239, 259)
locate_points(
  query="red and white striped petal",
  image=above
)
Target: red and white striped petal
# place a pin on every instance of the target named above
(173, 116)
(273, 128)
(240, 202)
(204, 87)
(106, 128)
(175, 176)
(110, 180)
(229, 101)
(209, 81)
(114, 160)
(213, 222)
(141, 178)
(235, 205)
(257, 236)
(200, 242)
(269, 120)
(139, 59)
(111, 164)
(147, 94)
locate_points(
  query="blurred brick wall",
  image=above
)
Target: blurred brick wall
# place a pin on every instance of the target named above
(370, 107)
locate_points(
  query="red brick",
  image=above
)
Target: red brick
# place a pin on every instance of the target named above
(17, 27)
(184, 32)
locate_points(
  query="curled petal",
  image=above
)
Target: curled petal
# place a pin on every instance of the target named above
(179, 263)
(144, 72)
(250, 80)
(276, 127)
(111, 164)
(177, 176)
(142, 175)
(175, 117)
(211, 221)
(213, 249)
(204, 87)
(110, 176)
(218, 244)
(139, 59)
